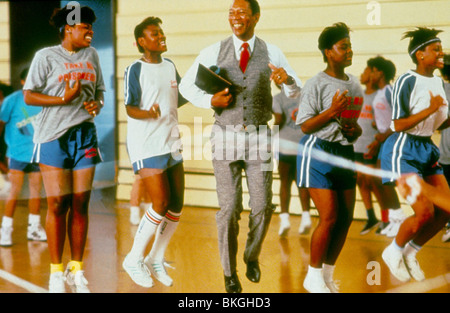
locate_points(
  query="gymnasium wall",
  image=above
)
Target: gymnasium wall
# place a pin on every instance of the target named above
(292, 25)
(4, 42)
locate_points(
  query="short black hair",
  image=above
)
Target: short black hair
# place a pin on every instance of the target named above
(419, 39)
(59, 18)
(139, 29)
(383, 65)
(445, 71)
(254, 5)
(332, 34)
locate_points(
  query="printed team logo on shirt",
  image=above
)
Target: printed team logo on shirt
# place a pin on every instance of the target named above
(88, 74)
(352, 112)
(90, 153)
(380, 106)
(366, 112)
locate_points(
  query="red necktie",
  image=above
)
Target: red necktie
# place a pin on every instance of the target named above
(245, 56)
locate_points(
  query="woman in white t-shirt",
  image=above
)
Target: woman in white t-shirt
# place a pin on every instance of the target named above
(419, 109)
(153, 142)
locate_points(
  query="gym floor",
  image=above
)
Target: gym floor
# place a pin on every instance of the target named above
(193, 252)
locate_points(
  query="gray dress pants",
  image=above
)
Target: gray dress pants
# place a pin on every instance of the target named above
(235, 152)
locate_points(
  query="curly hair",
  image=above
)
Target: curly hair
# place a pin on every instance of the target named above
(383, 65)
(139, 29)
(59, 18)
(332, 34)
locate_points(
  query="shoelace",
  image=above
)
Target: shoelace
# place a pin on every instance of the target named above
(139, 268)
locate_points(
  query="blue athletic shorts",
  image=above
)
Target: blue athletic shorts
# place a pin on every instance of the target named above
(404, 153)
(76, 149)
(160, 162)
(25, 167)
(315, 173)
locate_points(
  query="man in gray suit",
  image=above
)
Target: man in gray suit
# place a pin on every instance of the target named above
(240, 137)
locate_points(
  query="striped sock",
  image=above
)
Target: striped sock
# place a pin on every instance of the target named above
(411, 248)
(146, 230)
(165, 232)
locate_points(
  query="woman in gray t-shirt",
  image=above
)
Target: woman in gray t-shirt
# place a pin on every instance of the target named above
(328, 112)
(66, 80)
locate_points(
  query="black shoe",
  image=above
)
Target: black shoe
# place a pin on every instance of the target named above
(369, 225)
(253, 271)
(232, 284)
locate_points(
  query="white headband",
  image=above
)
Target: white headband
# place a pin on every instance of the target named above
(423, 45)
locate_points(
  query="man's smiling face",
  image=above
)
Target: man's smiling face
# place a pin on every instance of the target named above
(242, 20)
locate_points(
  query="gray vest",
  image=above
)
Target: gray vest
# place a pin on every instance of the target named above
(252, 96)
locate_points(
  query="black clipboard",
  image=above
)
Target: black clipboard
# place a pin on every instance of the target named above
(209, 81)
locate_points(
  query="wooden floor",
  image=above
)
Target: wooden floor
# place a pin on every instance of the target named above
(194, 254)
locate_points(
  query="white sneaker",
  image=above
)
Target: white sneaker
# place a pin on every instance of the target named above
(414, 268)
(305, 224)
(77, 282)
(394, 260)
(393, 228)
(315, 284)
(6, 236)
(36, 232)
(333, 286)
(158, 270)
(138, 272)
(386, 229)
(135, 215)
(56, 283)
(285, 224)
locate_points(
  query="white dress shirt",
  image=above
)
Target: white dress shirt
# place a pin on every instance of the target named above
(208, 57)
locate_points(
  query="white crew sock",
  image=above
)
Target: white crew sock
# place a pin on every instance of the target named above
(316, 274)
(7, 221)
(34, 219)
(396, 247)
(165, 232)
(284, 217)
(146, 230)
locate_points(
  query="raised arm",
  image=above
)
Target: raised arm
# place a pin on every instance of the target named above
(39, 99)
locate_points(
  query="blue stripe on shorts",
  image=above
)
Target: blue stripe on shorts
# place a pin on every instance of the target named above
(404, 153)
(314, 173)
(161, 162)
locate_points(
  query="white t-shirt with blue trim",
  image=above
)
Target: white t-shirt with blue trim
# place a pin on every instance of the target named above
(147, 84)
(411, 95)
